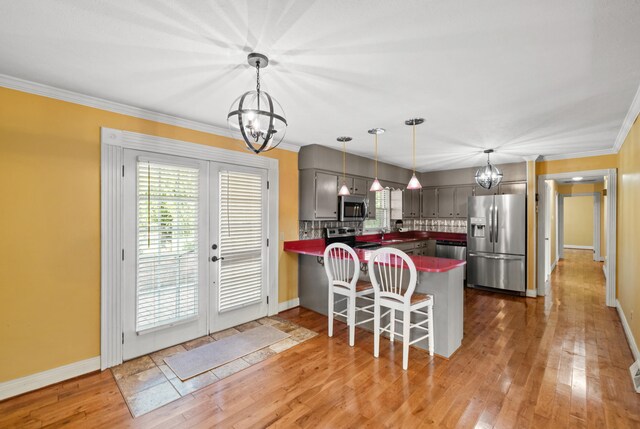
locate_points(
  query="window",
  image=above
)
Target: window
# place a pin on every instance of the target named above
(242, 239)
(167, 244)
(383, 211)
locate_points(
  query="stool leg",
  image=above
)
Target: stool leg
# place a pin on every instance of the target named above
(330, 312)
(430, 327)
(376, 329)
(406, 331)
(351, 320)
(392, 324)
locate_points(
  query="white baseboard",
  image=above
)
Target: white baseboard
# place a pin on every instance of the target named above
(627, 331)
(553, 267)
(600, 259)
(532, 293)
(45, 378)
(575, 246)
(604, 268)
(288, 304)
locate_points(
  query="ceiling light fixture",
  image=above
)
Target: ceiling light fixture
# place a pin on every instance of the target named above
(488, 176)
(258, 116)
(344, 189)
(376, 186)
(577, 179)
(414, 183)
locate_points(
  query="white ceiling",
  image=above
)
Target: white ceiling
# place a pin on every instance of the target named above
(526, 78)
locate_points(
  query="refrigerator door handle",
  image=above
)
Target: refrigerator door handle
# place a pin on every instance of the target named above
(499, 257)
(495, 226)
(491, 224)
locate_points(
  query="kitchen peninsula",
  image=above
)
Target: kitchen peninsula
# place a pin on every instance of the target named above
(440, 277)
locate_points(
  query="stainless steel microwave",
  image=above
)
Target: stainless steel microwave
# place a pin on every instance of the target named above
(353, 208)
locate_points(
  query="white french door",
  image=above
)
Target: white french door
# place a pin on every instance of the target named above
(194, 249)
(240, 272)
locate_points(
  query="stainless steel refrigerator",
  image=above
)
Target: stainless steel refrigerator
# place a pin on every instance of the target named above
(496, 242)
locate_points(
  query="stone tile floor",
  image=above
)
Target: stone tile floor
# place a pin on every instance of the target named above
(147, 383)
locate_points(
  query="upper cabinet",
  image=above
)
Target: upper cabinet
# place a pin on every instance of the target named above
(462, 200)
(411, 204)
(479, 191)
(429, 202)
(318, 195)
(371, 201)
(449, 202)
(446, 202)
(513, 188)
(358, 186)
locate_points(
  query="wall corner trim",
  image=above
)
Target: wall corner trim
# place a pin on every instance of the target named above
(627, 331)
(627, 123)
(292, 303)
(38, 380)
(35, 88)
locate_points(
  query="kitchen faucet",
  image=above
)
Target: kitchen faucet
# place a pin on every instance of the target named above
(382, 231)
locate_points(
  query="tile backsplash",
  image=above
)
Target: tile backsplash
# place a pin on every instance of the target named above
(309, 229)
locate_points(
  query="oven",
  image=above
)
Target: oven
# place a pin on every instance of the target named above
(353, 208)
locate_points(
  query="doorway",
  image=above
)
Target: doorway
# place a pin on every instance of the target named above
(185, 242)
(605, 200)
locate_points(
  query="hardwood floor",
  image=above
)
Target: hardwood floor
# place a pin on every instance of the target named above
(558, 362)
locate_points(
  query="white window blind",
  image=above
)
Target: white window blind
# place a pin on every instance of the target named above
(167, 244)
(242, 239)
(383, 211)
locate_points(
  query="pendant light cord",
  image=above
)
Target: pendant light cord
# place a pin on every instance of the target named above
(414, 148)
(376, 153)
(344, 162)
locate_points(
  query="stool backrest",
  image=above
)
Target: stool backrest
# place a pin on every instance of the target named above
(387, 270)
(342, 265)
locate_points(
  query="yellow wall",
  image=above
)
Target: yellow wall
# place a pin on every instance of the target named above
(578, 221)
(628, 229)
(50, 226)
(583, 188)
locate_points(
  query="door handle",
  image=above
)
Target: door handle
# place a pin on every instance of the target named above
(496, 226)
(216, 259)
(502, 258)
(491, 224)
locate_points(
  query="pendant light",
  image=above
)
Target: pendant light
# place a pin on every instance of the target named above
(376, 186)
(488, 176)
(258, 116)
(414, 183)
(344, 189)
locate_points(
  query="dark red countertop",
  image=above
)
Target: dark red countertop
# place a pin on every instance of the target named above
(423, 263)
(410, 236)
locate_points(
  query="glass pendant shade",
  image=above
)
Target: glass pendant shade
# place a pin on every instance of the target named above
(376, 186)
(344, 190)
(414, 183)
(488, 176)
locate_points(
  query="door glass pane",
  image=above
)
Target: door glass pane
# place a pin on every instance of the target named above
(242, 239)
(167, 244)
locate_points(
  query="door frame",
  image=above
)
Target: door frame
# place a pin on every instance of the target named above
(112, 145)
(611, 258)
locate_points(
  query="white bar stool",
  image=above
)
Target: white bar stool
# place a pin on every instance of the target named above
(343, 272)
(386, 269)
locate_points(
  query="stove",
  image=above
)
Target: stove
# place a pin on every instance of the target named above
(348, 237)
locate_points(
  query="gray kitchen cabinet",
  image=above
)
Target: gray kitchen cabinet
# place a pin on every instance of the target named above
(411, 204)
(461, 200)
(371, 201)
(358, 186)
(479, 190)
(446, 202)
(513, 188)
(318, 195)
(429, 202)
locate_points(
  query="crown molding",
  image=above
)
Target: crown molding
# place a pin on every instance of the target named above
(531, 157)
(30, 87)
(586, 154)
(632, 114)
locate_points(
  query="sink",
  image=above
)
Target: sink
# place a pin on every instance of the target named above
(397, 240)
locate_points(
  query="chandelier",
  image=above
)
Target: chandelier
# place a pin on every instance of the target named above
(488, 176)
(376, 186)
(257, 115)
(344, 189)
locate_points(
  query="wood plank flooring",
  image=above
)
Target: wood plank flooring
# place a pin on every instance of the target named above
(555, 362)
